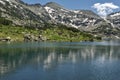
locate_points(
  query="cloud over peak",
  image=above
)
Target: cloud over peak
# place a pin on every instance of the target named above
(105, 8)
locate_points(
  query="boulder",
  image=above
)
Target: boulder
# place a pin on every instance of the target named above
(29, 37)
(5, 39)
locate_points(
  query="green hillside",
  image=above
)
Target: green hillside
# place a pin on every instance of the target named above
(50, 32)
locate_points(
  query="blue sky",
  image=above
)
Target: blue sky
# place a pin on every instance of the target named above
(77, 4)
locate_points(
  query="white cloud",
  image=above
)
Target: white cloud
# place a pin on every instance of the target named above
(105, 8)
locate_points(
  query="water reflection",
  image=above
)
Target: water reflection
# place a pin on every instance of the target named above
(49, 56)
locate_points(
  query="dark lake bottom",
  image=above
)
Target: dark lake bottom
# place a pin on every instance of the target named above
(60, 61)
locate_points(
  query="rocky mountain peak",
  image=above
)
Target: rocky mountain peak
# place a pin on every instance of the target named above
(75, 18)
(54, 5)
(37, 5)
(114, 18)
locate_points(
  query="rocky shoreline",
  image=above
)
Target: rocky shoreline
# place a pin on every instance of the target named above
(29, 37)
(5, 39)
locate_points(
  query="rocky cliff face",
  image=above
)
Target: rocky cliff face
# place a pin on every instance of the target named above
(114, 18)
(21, 13)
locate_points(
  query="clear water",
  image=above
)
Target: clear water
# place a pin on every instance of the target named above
(60, 61)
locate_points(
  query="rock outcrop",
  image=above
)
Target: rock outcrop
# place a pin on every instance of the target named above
(29, 37)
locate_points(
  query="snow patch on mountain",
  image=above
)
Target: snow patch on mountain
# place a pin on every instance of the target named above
(117, 37)
(116, 14)
(7, 0)
(64, 10)
(2, 2)
(76, 11)
(73, 25)
(86, 19)
(49, 9)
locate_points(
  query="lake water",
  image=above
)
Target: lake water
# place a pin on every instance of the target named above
(60, 61)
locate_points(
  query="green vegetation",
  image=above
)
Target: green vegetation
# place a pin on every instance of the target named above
(15, 33)
(5, 21)
(51, 32)
(63, 33)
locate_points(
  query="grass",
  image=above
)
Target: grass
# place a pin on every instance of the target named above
(54, 33)
(15, 33)
(58, 34)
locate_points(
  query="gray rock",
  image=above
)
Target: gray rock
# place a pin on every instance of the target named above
(5, 39)
(29, 37)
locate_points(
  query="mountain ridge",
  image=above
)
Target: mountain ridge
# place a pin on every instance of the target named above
(36, 15)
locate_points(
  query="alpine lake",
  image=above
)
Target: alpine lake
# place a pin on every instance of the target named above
(60, 61)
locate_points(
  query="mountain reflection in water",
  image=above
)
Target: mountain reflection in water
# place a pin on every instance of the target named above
(49, 56)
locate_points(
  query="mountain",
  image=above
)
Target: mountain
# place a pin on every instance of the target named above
(114, 18)
(37, 15)
(85, 20)
(82, 19)
(23, 14)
